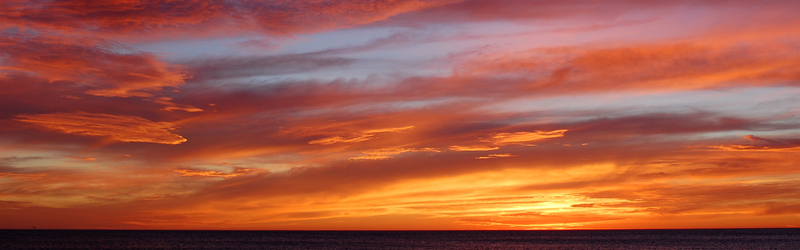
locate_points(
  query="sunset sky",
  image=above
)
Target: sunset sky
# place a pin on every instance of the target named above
(399, 114)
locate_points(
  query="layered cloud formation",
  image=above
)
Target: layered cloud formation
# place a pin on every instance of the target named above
(399, 114)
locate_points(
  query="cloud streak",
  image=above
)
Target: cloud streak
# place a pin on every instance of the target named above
(118, 128)
(358, 137)
(524, 137)
(764, 144)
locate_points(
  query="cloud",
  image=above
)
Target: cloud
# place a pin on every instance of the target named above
(211, 173)
(388, 153)
(573, 76)
(754, 148)
(382, 130)
(453, 124)
(90, 62)
(524, 137)
(473, 148)
(84, 158)
(385, 153)
(764, 18)
(359, 137)
(783, 209)
(173, 18)
(243, 67)
(171, 106)
(516, 138)
(338, 139)
(664, 124)
(493, 156)
(115, 127)
(646, 67)
(764, 144)
(477, 11)
(22, 176)
(28, 93)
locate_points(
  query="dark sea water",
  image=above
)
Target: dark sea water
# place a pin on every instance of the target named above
(601, 239)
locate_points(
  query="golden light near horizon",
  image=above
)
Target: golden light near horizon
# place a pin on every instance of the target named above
(399, 114)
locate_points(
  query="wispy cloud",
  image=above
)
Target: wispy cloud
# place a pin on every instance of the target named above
(211, 173)
(388, 153)
(524, 137)
(358, 137)
(473, 148)
(764, 144)
(492, 156)
(118, 128)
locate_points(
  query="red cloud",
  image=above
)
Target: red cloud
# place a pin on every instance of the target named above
(90, 63)
(164, 18)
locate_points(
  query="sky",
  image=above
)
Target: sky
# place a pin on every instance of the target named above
(399, 114)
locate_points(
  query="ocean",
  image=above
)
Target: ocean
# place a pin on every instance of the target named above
(570, 239)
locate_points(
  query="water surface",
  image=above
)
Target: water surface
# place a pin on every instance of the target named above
(592, 239)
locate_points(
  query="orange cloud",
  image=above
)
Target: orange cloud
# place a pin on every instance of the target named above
(755, 148)
(211, 173)
(492, 156)
(338, 139)
(388, 153)
(524, 137)
(117, 127)
(764, 144)
(174, 106)
(400, 129)
(363, 136)
(85, 158)
(473, 148)
(501, 139)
